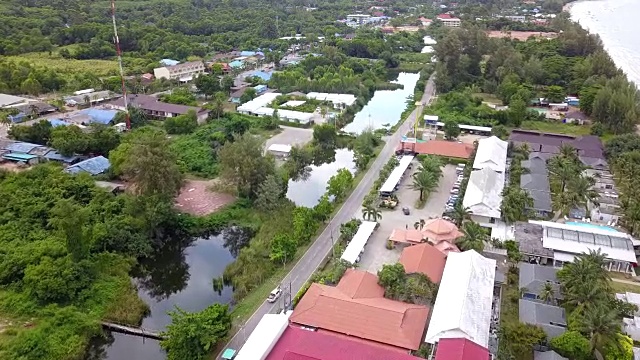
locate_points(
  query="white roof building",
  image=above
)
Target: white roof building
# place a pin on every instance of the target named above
(568, 241)
(261, 101)
(483, 196)
(356, 245)
(8, 101)
(280, 148)
(264, 337)
(491, 153)
(336, 99)
(463, 305)
(393, 179)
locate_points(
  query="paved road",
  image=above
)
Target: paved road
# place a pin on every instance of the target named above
(312, 259)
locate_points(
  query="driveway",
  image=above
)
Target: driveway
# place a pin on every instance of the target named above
(376, 253)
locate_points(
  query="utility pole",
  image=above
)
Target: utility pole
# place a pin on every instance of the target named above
(116, 41)
(277, 27)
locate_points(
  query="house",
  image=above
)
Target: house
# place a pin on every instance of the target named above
(518, 18)
(236, 95)
(11, 101)
(575, 117)
(260, 89)
(589, 148)
(263, 75)
(35, 108)
(537, 186)
(184, 72)
(94, 166)
(467, 275)
(357, 309)
(236, 64)
(90, 98)
(550, 318)
(547, 355)
(491, 153)
(424, 21)
(533, 278)
(157, 109)
(435, 231)
(358, 19)
(449, 21)
(483, 195)
(303, 343)
(450, 149)
(460, 349)
(631, 298)
(224, 66)
(555, 243)
(100, 116)
(424, 259)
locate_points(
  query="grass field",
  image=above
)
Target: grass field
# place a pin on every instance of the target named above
(68, 66)
(490, 98)
(556, 127)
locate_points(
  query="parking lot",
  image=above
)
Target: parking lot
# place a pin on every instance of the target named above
(376, 254)
(291, 136)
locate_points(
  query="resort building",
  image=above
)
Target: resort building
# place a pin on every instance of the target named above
(184, 72)
(551, 243)
(550, 318)
(483, 196)
(467, 275)
(492, 154)
(449, 21)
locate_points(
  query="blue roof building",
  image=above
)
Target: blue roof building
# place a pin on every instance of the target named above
(58, 122)
(263, 75)
(17, 118)
(236, 64)
(56, 156)
(100, 116)
(260, 89)
(21, 147)
(19, 157)
(93, 166)
(169, 62)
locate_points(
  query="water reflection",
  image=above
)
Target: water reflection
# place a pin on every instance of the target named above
(178, 274)
(308, 192)
(385, 107)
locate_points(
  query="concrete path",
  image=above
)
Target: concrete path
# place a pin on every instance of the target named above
(312, 259)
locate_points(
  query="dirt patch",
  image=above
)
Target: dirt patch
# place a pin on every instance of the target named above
(522, 35)
(12, 166)
(196, 199)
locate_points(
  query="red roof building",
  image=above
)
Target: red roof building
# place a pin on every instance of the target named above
(425, 259)
(356, 307)
(460, 349)
(300, 344)
(450, 149)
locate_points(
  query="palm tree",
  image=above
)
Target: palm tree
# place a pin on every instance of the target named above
(602, 325)
(87, 100)
(582, 190)
(432, 164)
(424, 181)
(568, 151)
(547, 293)
(371, 213)
(418, 225)
(562, 171)
(515, 202)
(473, 238)
(460, 214)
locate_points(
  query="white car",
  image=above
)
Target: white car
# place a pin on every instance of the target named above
(275, 294)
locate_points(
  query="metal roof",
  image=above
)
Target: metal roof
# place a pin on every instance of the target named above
(393, 179)
(534, 277)
(21, 147)
(93, 166)
(483, 196)
(18, 156)
(358, 242)
(264, 337)
(550, 318)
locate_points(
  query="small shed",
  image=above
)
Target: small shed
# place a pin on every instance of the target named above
(577, 117)
(94, 166)
(279, 150)
(21, 157)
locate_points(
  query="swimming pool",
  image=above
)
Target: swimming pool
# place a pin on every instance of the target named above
(593, 226)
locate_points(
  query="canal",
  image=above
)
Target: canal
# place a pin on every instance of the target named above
(181, 273)
(385, 107)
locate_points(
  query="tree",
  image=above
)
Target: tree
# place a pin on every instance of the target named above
(38, 133)
(137, 117)
(269, 193)
(451, 129)
(248, 95)
(392, 276)
(69, 220)
(418, 225)
(521, 338)
(460, 214)
(340, 183)
(515, 204)
(500, 131)
(371, 213)
(243, 164)
(555, 94)
(207, 84)
(602, 326)
(323, 208)
(182, 124)
(69, 140)
(582, 189)
(325, 135)
(227, 83)
(572, 345)
(191, 336)
(424, 181)
(217, 109)
(283, 248)
(150, 165)
(474, 237)
(304, 224)
(547, 293)
(517, 111)
(103, 139)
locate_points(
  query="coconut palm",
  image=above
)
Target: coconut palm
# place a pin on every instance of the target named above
(371, 213)
(87, 100)
(432, 164)
(424, 181)
(473, 238)
(419, 225)
(515, 202)
(460, 214)
(582, 190)
(602, 325)
(561, 171)
(547, 293)
(568, 151)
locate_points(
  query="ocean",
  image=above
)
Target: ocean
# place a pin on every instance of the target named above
(617, 23)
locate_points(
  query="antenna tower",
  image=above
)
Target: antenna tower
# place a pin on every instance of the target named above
(116, 41)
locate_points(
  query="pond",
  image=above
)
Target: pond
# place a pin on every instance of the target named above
(180, 274)
(308, 190)
(386, 106)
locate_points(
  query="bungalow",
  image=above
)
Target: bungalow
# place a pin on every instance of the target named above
(236, 64)
(449, 21)
(157, 109)
(575, 117)
(236, 95)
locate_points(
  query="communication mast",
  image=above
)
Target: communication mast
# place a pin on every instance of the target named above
(116, 41)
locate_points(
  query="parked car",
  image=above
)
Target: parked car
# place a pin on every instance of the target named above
(274, 295)
(405, 210)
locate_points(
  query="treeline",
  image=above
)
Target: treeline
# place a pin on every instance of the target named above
(574, 63)
(623, 153)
